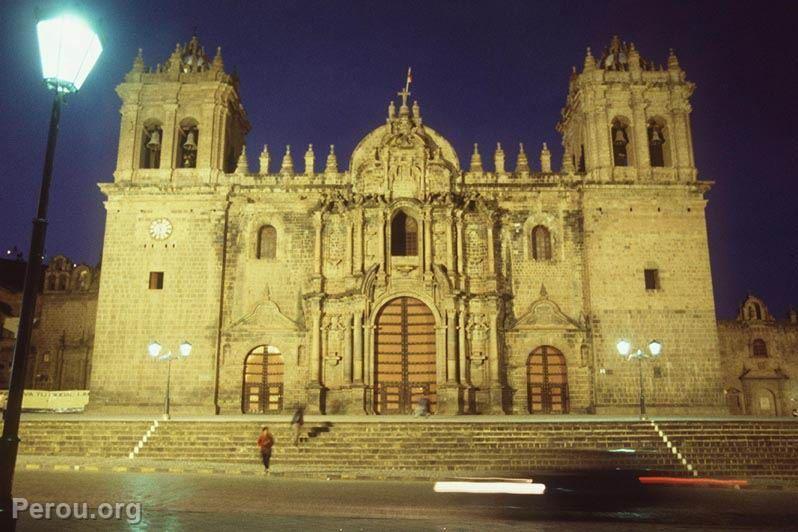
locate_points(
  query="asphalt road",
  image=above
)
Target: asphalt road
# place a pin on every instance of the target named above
(208, 502)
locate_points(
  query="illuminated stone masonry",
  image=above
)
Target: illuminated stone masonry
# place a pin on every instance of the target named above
(406, 280)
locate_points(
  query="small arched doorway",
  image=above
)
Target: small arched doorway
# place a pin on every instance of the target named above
(404, 357)
(547, 381)
(262, 391)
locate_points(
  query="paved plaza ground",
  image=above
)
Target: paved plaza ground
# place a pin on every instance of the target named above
(225, 502)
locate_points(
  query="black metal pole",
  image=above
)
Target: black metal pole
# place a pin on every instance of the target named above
(9, 444)
(642, 393)
(168, 382)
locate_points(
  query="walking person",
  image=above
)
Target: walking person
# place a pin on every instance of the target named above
(296, 423)
(265, 443)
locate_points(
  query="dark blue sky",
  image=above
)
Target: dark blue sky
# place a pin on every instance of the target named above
(323, 72)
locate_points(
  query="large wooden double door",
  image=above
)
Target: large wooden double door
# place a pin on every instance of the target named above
(547, 381)
(404, 361)
(263, 381)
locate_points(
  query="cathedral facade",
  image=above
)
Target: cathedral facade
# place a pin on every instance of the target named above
(496, 288)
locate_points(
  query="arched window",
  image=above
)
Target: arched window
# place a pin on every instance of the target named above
(656, 143)
(51, 282)
(187, 143)
(541, 243)
(620, 142)
(152, 136)
(757, 310)
(63, 280)
(404, 235)
(760, 348)
(267, 242)
(581, 166)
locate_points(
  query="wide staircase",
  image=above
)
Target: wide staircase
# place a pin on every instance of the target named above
(745, 448)
(101, 439)
(350, 447)
(742, 449)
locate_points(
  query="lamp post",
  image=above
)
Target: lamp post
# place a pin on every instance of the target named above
(154, 350)
(654, 348)
(69, 49)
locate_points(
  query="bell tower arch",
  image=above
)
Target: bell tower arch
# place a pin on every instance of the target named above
(627, 119)
(181, 120)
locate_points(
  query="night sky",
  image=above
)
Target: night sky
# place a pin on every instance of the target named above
(323, 73)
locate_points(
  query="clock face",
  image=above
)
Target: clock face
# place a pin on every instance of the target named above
(160, 229)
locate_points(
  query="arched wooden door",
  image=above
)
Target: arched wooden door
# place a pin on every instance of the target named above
(547, 381)
(404, 356)
(263, 381)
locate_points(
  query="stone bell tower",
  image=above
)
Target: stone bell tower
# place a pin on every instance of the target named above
(182, 121)
(627, 119)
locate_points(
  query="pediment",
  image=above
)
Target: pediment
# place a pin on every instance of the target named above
(545, 314)
(266, 316)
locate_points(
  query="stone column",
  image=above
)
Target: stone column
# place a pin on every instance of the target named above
(494, 368)
(463, 374)
(359, 223)
(640, 132)
(358, 348)
(449, 395)
(318, 224)
(460, 245)
(491, 258)
(350, 247)
(451, 347)
(449, 245)
(383, 252)
(315, 390)
(427, 240)
(348, 350)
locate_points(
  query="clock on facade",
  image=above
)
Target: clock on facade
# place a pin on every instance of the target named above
(160, 229)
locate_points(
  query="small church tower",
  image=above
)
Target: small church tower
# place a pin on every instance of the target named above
(625, 119)
(182, 121)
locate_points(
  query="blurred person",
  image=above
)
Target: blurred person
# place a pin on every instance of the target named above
(297, 422)
(265, 443)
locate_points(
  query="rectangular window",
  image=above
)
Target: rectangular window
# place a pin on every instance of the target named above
(156, 280)
(652, 279)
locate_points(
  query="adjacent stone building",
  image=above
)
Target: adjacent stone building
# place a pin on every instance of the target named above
(760, 361)
(496, 288)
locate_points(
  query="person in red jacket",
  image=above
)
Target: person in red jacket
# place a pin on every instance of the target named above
(265, 443)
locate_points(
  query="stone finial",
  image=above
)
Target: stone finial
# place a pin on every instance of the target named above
(310, 160)
(476, 160)
(590, 61)
(634, 57)
(332, 162)
(545, 159)
(242, 166)
(416, 110)
(264, 160)
(287, 166)
(138, 63)
(391, 110)
(498, 159)
(522, 163)
(175, 60)
(218, 63)
(673, 61)
(544, 294)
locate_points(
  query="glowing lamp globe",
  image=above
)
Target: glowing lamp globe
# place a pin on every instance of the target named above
(624, 346)
(69, 48)
(655, 347)
(154, 349)
(185, 349)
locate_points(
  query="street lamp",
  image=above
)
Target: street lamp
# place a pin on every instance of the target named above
(625, 350)
(69, 49)
(154, 349)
